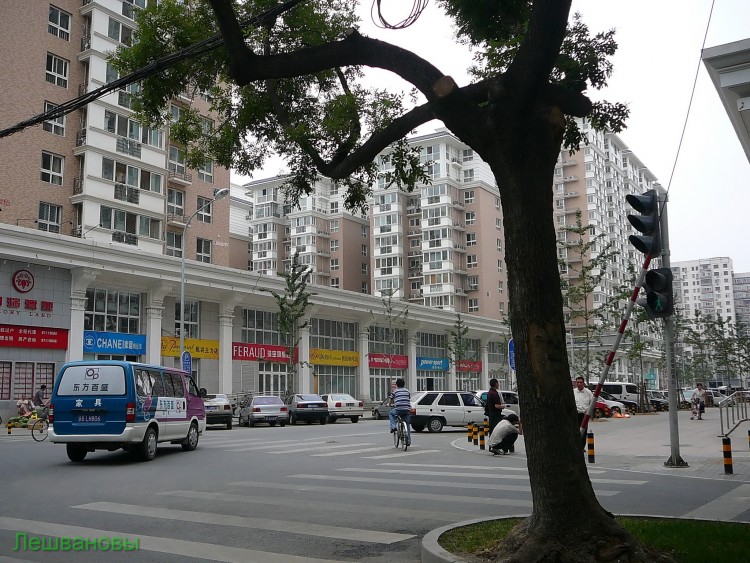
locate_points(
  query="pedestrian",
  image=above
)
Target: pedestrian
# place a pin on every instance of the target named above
(699, 400)
(40, 397)
(584, 397)
(495, 405)
(504, 435)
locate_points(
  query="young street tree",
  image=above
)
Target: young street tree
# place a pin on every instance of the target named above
(292, 85)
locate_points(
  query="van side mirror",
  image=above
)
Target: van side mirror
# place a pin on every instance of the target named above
(202, 392)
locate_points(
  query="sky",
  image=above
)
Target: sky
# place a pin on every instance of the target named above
(654, 70)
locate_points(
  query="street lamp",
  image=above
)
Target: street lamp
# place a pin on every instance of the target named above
(218, 194)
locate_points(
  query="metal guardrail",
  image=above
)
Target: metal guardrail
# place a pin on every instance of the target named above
(733, 411)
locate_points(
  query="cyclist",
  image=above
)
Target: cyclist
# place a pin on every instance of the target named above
(401, 406)
(40, 397)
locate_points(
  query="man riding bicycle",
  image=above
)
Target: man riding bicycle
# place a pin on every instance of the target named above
(402, 407)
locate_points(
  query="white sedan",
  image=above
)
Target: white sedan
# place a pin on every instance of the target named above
(341, 405)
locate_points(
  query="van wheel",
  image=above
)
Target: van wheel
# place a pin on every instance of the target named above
(434, 425)
(75, 452)
(191, 440)
(355, 419)
(147, 448)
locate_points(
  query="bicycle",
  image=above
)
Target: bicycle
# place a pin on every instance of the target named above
(40, 428)
(401, 435)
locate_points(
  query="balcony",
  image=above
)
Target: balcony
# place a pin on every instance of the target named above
(127, 238)
(129, 194)
(78, 185)
(81, 138)
(85, 43)
(570, 178)
(176, 219)
(569, 162)
(180, 176)
(128, 147)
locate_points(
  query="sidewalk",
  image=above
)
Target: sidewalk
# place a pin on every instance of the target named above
(642, 443)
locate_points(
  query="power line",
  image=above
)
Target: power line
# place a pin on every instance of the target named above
(417, 8)
(159, 65)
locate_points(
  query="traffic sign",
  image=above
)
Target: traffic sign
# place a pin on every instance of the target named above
(187, 362)
(511, 355)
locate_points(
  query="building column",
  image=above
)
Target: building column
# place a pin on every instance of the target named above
(226, 324)
(484, 382)
(411, 372)
(364, 366)
(80, 281)
(304, 366)
(154, 314)
(451, 383)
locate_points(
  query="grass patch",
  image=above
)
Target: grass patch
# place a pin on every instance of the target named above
(689, 541)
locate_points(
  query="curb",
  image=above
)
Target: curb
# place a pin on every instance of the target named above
(432, 552)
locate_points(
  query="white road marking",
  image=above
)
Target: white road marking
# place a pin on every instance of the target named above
(208, 551)
(303, 528)
(401, 454)
(390, 494)
(295, 449)
(349, 452)
(725, 507)
(275, 446)
(493, 467)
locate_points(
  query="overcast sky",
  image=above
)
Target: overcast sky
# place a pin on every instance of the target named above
(659, 51)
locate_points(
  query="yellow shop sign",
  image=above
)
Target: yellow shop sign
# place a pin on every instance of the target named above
(206, 349)
(334, 357)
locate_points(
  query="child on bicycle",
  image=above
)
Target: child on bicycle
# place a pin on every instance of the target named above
(402, 406)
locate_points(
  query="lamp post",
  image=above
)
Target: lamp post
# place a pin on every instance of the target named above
(218, 194)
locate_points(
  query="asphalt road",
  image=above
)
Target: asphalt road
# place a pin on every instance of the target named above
(338, 492)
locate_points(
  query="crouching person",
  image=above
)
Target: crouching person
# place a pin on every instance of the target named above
(504, 435)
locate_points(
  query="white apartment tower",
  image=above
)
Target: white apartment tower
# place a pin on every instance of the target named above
(705, 286)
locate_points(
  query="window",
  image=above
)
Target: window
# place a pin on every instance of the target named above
(52, 168)
(334, 207)
(120, 33)
(109, 310)
(471, 261)
(334, 264)
(364, 250)
(471, 217)
(365, 287)
(335, 282)
(57, 70)
(473, 305)
(149, 227)
(59, 23)
(364, 231)
(469, 175)
(469, 196)
(334, 245)
(473, 282)
(203, 250)
(499, 244)
(206, 172)
(174, 244)
(191, 319)
(499, 224)
(56, 125)
(471, 239)
(49, 217)
(365, 268)
(175, 202)
(204, 210)
(176, 159)
(334, 226)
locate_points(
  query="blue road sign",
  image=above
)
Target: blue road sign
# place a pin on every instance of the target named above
(511, 355)
(187, 362)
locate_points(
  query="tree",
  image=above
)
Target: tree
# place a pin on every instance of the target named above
(291, 85)
(292, 305)
(390, 339)
(459, 349)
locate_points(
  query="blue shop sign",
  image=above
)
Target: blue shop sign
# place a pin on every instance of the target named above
(432, 364)
(96, 342)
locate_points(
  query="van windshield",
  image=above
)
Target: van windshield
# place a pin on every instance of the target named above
(92, 380)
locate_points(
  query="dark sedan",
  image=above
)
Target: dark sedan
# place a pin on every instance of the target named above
(307, 408)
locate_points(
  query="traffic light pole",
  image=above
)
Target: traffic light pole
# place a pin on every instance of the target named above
(674, 435)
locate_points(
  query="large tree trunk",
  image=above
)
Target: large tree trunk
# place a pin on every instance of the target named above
(567, 522)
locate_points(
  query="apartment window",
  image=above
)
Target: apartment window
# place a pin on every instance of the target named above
(364, 250)
(499, 224)
(500, 287)
(122, 126)
(335, 282)
(119, 32)
(49, 217)
(471, 217)
(365, 268)
(471, 239)
(334, 245)
(175, 202)
(497, 203)
(473, 305)
(204, 210)
(59, 23)
(365, 231)
(473, 282)
(499, 265)
(176, 159)
(334, 225)
(174, 244)
(334, 207)
(120, 172)
(57, 125)
(57, 70)
(365, 287)
(469, 196)
(469, 175)
(499, 243)
(149, 227)
(206, 172)
(334, 264)
(150, 181)
(471, 261)
(52, 168)
(203, 250)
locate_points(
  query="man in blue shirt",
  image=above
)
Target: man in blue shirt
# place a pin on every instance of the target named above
(401, 405)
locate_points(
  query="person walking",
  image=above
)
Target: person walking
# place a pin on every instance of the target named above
(699, 400)
(495, 404)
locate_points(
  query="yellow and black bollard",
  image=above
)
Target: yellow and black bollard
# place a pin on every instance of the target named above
(475, 434)
(481, 436)
(469, 431)
(726, 445)
(590, 447)
(9, 427)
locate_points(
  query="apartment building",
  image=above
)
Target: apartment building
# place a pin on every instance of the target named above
(704, 287)
(741, 282)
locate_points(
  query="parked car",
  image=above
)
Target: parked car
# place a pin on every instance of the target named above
(658, 400)
(714, 397)
(264, 408)
(510, 398)
(615, 406)
(621, 390)
(307, 407)
(218, 409)
(435, 409)
(602, 410)
(341, 405)
(382, 409)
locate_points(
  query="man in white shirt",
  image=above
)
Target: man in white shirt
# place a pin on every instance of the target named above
(584, 397)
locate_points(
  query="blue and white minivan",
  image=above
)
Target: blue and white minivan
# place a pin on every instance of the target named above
(107, 405)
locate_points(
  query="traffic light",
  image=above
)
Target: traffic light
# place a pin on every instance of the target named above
(659, 300)
(647, 222)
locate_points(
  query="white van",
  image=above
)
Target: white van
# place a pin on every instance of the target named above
(622, 390)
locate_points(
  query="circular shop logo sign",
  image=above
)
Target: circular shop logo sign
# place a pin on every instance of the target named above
(23, 281)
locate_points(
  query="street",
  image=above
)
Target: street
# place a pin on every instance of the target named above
(338, 492)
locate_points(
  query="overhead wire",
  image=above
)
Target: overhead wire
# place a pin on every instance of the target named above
(417, 8)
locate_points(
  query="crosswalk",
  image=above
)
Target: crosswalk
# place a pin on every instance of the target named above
(382, 505)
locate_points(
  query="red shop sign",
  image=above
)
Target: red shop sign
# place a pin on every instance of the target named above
(387, 361)
(34, 337)
(469, 365)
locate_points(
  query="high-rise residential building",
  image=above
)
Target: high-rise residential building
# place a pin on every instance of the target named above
(704, 287)
(741, 283)
(97, 173)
